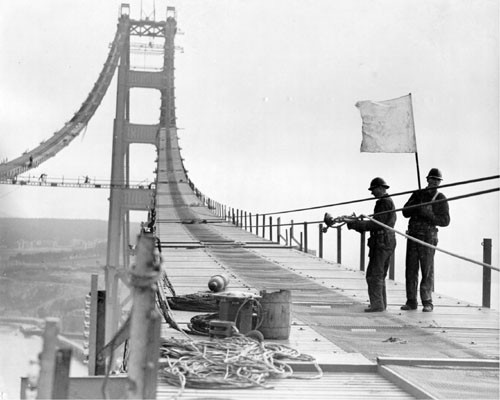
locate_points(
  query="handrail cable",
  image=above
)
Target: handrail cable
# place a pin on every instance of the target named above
(372, 198)
(429, 245)
(399, 209)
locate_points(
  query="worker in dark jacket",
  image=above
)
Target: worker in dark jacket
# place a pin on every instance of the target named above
(381, 242)
(422, 226)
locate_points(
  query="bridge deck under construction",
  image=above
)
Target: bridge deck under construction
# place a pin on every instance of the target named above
(449, 353)
(452, 352)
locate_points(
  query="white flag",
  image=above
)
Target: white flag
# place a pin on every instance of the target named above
(388, 126)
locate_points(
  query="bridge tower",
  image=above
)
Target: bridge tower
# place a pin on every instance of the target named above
(123, 198)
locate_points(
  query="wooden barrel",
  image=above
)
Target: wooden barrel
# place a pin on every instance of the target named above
(238, 310)
(275, 314)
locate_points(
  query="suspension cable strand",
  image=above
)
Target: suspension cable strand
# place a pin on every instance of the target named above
(463, 196)
(371, 198)
(404, 208)
(429, 245)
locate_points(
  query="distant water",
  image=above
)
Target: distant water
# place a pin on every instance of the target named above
(16, 351)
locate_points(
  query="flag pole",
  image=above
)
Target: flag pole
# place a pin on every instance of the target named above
(416, 152)
(418, 170)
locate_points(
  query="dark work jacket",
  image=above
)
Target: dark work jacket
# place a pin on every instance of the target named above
(383, 204)
(437, 214)
(379, 236)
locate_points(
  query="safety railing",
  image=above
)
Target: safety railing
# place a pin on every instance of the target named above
(297, 234)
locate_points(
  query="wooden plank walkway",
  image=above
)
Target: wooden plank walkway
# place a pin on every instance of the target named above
(328, 300)
(327, 307)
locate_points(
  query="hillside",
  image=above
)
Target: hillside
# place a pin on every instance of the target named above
(60, 231)
(46, 266)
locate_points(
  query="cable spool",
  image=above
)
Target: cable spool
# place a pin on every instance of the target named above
(218, 283)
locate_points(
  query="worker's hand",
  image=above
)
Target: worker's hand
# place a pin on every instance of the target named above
(354, 225)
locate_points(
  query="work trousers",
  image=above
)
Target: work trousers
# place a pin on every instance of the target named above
(381, 250)
(418, 255)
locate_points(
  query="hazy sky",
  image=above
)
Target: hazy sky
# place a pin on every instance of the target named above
(265, 99)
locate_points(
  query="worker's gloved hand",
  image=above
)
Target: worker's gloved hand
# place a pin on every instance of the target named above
(353, 225)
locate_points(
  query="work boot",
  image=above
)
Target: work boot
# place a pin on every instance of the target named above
(372, 309)
(408, 307)
(428, 308)
(376, 296)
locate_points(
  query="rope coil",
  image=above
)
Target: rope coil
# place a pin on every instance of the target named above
(231, 363)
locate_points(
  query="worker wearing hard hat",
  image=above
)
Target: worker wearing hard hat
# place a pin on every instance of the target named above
(381, 242)
(423, 226)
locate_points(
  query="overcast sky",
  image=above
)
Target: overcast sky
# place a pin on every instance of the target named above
(265, 99)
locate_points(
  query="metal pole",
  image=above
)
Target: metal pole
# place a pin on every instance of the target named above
(92, 328)
(264, 226)
(257, 224)
(271, 229)
(278, 227)
(305, 237)
(339, 244)
(250, 219)
(100, 364)
(486, 273)
(362, 252)
(246, 221)
(320, 250)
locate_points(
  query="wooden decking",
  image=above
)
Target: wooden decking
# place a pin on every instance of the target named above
(329, 323)
(393, 354)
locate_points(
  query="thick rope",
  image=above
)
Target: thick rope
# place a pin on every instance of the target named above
(231, 363)
(429, 245)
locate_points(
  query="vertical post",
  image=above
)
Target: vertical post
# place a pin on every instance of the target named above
(61, 375)
(238, 217)
(264, 226)
(246, 225)
(486, 273)
(152, 357)
(257, 224)
(250, 220)
(339, 245)
(92, 325)
(48, 359)
(301, 247)
(320, 241)
(271, 229)
(362, 252)
(142, 321)
(291, 232)
(278, 229)
(305, 238)
(100, 365)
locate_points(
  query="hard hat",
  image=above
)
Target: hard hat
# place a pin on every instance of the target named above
(376, 182)
(435, 173)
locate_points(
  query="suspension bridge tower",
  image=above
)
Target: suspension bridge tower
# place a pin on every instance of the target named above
(123, 198)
